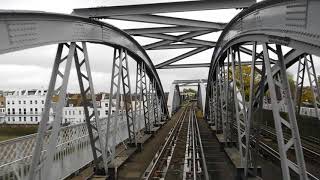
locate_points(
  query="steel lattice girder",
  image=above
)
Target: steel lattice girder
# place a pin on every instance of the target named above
(301, 34)
(39, 29)
(149, 13)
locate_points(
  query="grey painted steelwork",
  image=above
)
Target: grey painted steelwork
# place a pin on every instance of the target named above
(306, 65)
(174, 66)
(89, 91)
(22, 30)
(120, 78)
(149, 13)
(16, 154)
(174, 99)
(161, 8)
(189, 81)
(270, 25)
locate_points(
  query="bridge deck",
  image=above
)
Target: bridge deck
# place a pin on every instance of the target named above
(137, 164)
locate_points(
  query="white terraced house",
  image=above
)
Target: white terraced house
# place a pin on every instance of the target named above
(25, 106)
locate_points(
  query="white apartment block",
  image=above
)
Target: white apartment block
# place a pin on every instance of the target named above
(25, 107)
(75, 114)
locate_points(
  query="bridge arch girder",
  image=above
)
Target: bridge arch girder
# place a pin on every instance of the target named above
(21, 30)
(269, 25)
(29, 29)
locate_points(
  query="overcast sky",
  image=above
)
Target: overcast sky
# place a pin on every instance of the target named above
(31, 68)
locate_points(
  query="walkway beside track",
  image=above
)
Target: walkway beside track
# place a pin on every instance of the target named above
(134, 168)
(218, 164)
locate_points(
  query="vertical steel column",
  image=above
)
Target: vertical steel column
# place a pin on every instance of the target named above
(155, 103)
(252, 100)
(240, 108)
(56, 124)
(131, 122)
(94, 129)
(145, 99)
(291, 124)
(212, 94)
(37, 153)
(138, 101)
(227, 117)
(114, 92)
(299, 84)
(218, 101)
(152, 102)
(314, 84)
(222, 98)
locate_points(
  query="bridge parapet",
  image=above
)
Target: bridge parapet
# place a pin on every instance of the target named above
(73, 150)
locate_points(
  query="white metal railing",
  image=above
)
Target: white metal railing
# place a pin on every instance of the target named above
(73, 150)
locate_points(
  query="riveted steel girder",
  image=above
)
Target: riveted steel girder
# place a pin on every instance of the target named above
(22, 30)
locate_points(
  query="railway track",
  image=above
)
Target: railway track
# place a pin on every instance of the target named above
(159, 166)
(310, 148)
(182, 154)
(270, 150)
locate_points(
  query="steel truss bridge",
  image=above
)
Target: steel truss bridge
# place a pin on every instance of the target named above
(269, 37)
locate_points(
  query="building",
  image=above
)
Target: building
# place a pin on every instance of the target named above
(25, 106)
(2, 109)
(73, 113)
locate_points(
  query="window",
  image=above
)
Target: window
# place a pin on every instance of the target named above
(24, 102)
(19, 110)
(8, 110)
(24, 111)
(20, 119)
(36, 102)
(8, 102)
(42, 101)
(69, 112)
(13, 111)
(24, 119)
(31, 111)
(12, 102)
(106, 112)
(106, 104)
(36, 110)
(98, 113)
(30, 102)
(79, 112)
(36, 118)
(13, 119)
(41, 109)
(73, 112)
(19, 102)
(31, 118)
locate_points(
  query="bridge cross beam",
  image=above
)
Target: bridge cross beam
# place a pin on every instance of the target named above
(277, 101)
